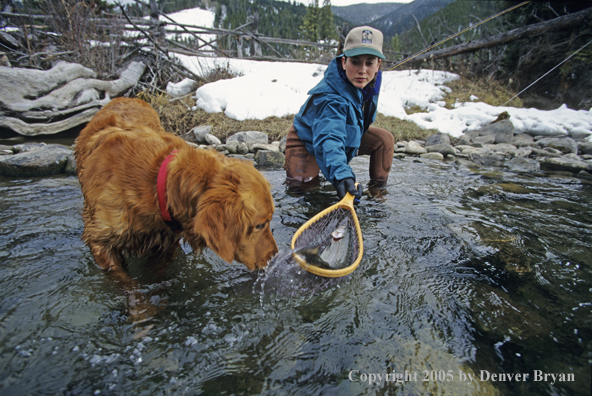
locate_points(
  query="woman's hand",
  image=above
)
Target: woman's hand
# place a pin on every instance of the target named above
(348, 185)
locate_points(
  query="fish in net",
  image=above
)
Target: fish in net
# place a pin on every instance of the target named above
(330, 244)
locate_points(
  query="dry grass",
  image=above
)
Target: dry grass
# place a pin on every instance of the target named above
(178, 117)
(490, 92)
(402, 129)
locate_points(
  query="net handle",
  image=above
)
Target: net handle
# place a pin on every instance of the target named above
(346, 203)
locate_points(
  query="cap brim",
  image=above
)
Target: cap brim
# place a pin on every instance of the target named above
(363, 51)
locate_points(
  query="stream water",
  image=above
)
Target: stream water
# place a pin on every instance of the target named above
(468, 278)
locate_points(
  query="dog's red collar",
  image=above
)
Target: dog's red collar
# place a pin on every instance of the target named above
(161, 193)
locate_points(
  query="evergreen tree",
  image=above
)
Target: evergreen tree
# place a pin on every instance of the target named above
(310, 22)
(325, 22)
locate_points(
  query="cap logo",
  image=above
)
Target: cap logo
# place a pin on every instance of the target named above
(367, 36)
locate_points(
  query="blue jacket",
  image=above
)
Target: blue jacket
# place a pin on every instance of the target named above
(332, 120)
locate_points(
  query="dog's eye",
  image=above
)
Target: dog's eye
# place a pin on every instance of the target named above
(260, 226)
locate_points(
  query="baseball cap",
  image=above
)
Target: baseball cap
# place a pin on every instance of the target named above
(363, 40)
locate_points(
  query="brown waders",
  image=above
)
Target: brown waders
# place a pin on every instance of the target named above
(302, 168)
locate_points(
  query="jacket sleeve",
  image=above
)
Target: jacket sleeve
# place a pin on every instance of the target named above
(329, 137)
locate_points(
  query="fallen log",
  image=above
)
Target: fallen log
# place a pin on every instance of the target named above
(40, 102)
(536, 29)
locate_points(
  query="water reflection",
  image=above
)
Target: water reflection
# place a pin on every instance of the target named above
(464, 272)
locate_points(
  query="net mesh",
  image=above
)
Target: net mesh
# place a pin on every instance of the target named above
(318, 234)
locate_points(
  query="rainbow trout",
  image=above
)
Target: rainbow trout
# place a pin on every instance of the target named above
(334, 256)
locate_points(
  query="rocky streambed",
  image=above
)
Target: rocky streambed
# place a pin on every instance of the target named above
(496, 145)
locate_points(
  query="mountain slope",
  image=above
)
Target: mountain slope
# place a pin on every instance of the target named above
(361, 14)
(401, 19)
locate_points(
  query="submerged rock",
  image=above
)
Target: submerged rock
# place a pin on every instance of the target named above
(566, 164)
(523, 165)
(488, 160)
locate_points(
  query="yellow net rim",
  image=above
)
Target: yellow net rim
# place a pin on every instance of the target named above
(346, 203)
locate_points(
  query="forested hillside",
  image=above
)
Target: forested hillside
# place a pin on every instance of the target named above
(364, 13)
(405, 17)
(521, 62)
(282, 19)
(276, 18)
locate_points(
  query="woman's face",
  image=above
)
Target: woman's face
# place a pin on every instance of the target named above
(361, 69)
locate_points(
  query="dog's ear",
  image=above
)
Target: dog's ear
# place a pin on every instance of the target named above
(220, 218)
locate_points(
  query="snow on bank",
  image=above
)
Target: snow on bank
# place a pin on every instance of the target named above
(266, 89)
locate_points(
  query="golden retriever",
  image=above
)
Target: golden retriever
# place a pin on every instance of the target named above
(214, 201)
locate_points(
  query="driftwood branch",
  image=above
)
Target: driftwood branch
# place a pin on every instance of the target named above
(38, 102)
(179, 68)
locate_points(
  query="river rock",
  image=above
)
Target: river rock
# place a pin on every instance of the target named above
(546, 153)
(27, 147)
(498, 132)
(584, 175)
(70, 168)
(283, 144)
(463, 140)
(462, 147)
(211, 139)
(249, 137)
(242, 148)
(432, 156)
(466, 163)
(270, 158)
(484, 139)
(495, 313)
(585, 148)
(502, 148)
(48, 160)
(259, 146)
(231, 147)
(523, 152)
(414, 148)
(444, 149)
(509, 150)
(565, 145)
(487, 159)
(523, 165)
(522, 140)
(437, 138)
(477, 150)
(565, 164)
(189, 137)
(200, 132)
